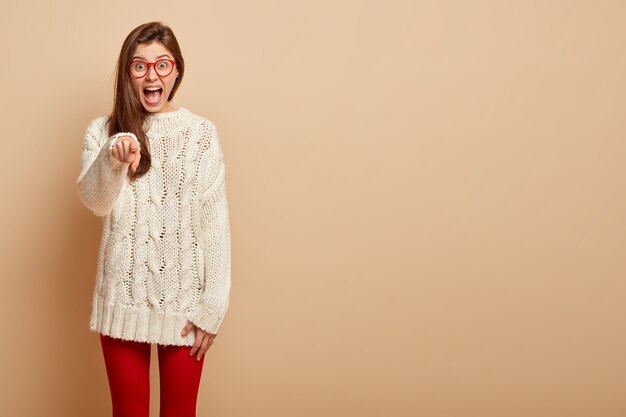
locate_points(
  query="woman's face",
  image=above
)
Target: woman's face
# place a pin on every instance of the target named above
(153, 89)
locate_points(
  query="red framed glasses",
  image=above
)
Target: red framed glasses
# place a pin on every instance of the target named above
(163, 67)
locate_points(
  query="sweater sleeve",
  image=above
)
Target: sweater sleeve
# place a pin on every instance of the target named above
(102, 176)
(214, 219)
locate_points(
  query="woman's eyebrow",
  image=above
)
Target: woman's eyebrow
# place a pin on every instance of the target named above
(160, 56)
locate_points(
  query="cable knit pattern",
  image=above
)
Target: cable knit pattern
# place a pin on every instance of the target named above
(164, 256)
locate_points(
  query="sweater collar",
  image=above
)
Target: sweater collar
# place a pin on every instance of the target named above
(159, 123)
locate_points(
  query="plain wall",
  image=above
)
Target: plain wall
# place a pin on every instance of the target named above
(427, 204)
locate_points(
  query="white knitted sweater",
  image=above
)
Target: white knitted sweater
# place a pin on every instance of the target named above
(164, 255)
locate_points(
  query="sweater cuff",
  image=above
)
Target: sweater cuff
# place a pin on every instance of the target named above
(113, 139)
(208, 318)
(117, 164)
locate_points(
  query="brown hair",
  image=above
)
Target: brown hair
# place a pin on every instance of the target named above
(128, 114)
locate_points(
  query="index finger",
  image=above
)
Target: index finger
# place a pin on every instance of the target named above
(133, 145)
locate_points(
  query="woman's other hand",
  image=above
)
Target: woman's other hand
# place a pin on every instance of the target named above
(127, 150)
(203, 340)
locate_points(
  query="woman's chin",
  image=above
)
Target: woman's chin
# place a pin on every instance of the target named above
(161, 106)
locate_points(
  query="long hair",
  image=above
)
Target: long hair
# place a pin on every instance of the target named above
(128, 114)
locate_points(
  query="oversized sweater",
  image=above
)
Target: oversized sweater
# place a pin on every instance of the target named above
(164, 256)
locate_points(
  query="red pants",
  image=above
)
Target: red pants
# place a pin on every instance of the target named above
(128, 369)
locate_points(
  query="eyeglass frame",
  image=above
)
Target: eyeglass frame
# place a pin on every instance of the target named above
(151, 64)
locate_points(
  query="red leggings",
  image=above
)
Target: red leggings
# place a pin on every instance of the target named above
(128, 369)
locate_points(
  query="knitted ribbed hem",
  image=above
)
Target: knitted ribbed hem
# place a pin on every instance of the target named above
(139, 325)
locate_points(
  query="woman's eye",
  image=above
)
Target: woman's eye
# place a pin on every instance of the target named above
(163, 64)
(140, 66)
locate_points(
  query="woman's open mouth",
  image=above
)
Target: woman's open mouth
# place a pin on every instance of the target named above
(153, 95)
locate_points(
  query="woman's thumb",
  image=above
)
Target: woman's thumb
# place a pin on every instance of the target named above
(186, 329)
(135, 163)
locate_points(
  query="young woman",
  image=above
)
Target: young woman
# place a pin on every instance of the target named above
(156, 176)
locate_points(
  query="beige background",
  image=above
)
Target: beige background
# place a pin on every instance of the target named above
(427, 204)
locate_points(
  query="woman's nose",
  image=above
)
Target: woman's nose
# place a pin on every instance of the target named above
(151, 75)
